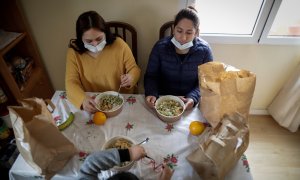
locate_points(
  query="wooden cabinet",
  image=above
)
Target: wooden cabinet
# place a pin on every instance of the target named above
(35, 82)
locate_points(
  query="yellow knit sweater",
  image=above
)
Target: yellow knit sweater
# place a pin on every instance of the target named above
(85, 73)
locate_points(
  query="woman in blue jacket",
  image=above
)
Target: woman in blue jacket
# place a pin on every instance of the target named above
(173, 63)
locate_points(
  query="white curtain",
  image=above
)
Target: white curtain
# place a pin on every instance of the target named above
(285, 107)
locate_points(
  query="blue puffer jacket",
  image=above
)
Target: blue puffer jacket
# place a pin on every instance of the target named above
(166, 74)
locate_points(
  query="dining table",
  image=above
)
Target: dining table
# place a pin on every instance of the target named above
(168, 143)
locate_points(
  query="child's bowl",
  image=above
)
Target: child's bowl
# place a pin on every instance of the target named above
(120, 142)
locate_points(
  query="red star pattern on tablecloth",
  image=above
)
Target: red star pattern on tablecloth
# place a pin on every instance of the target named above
(245, 163)
(89, 122)
(171, 160)
(82, 155)
(57, 120)
(63, 95)
(129, 126)
(131, 100)
(169, 127)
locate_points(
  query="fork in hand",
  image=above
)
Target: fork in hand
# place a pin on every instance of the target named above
(119, 91)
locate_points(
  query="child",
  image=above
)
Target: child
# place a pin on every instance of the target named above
(104, 160)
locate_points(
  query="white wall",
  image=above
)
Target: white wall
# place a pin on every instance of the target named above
(53, 25)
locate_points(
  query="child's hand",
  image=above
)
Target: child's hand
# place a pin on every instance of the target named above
(166, 173)
(136, 152)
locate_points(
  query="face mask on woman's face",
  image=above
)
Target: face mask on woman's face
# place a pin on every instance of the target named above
(183, 46)
(97, 48)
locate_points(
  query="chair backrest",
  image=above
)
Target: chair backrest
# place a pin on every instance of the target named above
(166, 29)
(127, 32)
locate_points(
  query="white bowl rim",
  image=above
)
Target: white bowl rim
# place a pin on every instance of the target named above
(114, 93)
(118, 137)
(169, 97)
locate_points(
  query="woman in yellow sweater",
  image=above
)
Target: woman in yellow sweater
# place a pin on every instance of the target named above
(97, 61)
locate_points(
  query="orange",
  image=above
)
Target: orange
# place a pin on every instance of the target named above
(196, 128)
(99, 118)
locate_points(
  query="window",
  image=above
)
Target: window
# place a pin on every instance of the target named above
(283, 25)
(249, 21)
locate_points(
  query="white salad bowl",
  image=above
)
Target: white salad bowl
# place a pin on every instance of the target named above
(169, 108)
(115, 109)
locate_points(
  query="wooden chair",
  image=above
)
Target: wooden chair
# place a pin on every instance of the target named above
(127, 32)
(166, 29)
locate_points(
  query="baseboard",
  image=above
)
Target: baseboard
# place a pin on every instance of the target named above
(259, 112)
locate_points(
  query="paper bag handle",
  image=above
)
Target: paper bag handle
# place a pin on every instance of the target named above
(217, 140)
(49, 102)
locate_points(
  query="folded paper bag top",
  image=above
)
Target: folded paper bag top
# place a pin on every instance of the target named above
(224, 90)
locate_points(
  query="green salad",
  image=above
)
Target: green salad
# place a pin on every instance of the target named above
(109, 102)
(169, 108)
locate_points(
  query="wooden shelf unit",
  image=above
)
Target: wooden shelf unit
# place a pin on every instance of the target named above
(12, 44)
(38, 84)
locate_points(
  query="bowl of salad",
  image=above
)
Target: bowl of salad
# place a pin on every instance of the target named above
(169, 108)
(120, 142)
(110, 103)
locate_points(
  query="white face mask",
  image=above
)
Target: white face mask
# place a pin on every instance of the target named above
(97, 48)
(183, 46)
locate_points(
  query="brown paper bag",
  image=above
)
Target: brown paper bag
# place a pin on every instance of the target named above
(224, 90)
(219, 153)
(38, 139)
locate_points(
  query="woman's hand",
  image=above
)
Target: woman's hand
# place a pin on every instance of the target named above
(189, 102)
(136, 152)
(126, 80)
(150, 101)
(89, 105)
(166, 173)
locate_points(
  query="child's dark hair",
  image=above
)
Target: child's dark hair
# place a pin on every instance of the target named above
(188, 13)
(123, 175)
(86, 21)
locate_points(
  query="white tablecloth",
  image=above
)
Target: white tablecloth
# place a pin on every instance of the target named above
(169, 142)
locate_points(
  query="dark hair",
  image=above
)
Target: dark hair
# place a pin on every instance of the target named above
(86, 21)
(188, 13)
(123, 175)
